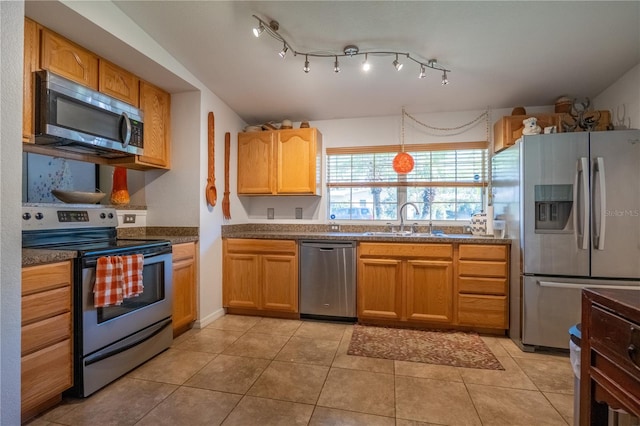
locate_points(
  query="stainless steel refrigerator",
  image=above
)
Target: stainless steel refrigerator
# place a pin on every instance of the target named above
(572, 206)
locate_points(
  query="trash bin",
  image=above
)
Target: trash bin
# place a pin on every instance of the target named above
(574, 356)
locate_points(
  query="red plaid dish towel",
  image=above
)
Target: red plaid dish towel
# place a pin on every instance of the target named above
(117, 278)
(132, 275)
(108, 287)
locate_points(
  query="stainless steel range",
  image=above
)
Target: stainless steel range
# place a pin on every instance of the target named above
(108, 341)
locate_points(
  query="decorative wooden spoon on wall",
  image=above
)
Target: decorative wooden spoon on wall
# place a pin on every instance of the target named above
(211, 194)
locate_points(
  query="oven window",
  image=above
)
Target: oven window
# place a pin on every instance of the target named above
(153, 281)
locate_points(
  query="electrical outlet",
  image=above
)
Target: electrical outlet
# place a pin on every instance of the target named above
(270, 213)
(129, 218)
(298, 212)
(334, 227)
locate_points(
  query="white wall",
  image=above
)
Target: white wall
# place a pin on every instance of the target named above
(622, 99)
(11, 45)
(369, 131)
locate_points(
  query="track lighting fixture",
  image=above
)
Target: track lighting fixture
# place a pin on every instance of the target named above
(366, 66)
(306, 64)
(283, 52)
(257, 31)
(350, 50)
(397, 64)
(423, 73)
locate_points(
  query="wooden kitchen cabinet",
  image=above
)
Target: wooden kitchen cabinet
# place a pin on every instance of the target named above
(260, 276)
(482, 297)
(47, 363)
(67, 59)
(185, 287)
(405, 282)
(119, 83)
(31, 51)
(279, 162)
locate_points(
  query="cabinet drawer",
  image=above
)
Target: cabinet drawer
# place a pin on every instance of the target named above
(44, 333)
(483, 252)
(45, 304)
(45, 277)
(482, 269)
(482, 311)
(45, 374)
(240, 245)
(495, 286)
(184, 251)
(421, 251)
(615, 337)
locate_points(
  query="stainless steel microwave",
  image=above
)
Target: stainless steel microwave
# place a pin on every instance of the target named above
(75, 118)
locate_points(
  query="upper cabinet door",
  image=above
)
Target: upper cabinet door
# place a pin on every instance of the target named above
(119, 83)
(256, 163)
(31, 49)
(155, 103)
(69, 60)
(297, 159)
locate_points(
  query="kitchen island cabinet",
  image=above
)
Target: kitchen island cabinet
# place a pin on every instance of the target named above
(405, 282)
(46, 364)
(184, 287)
(260, 276)
(279, 162)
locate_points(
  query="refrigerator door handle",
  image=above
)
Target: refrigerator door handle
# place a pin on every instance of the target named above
(554, 284)
(599, 229)
(581, 205)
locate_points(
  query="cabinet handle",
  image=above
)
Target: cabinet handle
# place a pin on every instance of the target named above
(632, 349)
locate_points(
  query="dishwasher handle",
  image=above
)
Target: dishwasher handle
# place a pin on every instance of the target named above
(328, 245)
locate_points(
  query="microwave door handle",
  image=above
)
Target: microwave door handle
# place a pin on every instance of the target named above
(582, 205)
(598, 169)
(125, 129)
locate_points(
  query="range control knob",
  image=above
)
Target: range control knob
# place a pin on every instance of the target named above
(26, 215)
(102, 215)
(110, 215)
(39, 216)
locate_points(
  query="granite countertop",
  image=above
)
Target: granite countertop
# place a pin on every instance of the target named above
(352, 233)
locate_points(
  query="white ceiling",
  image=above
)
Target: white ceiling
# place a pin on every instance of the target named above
(501, 54)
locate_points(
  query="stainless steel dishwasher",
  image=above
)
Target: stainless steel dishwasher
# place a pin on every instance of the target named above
(328, 280)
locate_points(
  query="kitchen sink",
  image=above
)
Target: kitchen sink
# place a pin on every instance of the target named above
(402, 234)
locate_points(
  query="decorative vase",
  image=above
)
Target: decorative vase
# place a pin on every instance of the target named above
(119, 191)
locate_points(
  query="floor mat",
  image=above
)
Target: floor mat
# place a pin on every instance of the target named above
(445, 347)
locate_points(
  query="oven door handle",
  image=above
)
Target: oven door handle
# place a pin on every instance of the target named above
(127, 344)
(91, 262)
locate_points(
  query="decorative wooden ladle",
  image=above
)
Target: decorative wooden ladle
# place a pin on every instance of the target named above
(211, 194)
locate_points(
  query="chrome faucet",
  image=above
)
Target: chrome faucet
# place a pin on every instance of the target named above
(402, 217)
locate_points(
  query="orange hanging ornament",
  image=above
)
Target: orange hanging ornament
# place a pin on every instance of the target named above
(119, 191)
(403, 162)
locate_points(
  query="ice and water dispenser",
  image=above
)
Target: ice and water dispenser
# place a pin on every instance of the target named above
(553, 208)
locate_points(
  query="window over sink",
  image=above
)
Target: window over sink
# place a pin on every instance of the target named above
(447, 183)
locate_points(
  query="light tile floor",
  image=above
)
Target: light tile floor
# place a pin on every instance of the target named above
(262, 371)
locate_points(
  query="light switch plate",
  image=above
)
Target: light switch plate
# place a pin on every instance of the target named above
(334, 227)
(270, 213)
(129, 218)
(298, 212)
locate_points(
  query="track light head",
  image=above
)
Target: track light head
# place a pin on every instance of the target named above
(445, 80)
(306, 64)
(423, 72)
(257, 31)
(283, 52)
(336, 66)
(397, 64)
(366, 66)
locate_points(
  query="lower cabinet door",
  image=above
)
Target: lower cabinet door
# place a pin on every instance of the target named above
(241, 287)
(429, 291)
(483, 311)
(280, 283)
(46, 374)
(380, 289)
